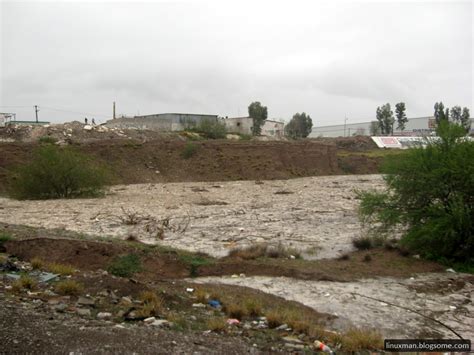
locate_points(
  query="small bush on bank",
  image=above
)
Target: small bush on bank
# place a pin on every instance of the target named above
(57, 172)
(125, 266)
(189, 150)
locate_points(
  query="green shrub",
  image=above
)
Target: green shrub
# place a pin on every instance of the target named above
(211, 129)
(4, 237)
(56, 172)
(189, 150)
(47, 140)
(125, 266)
(430, 197)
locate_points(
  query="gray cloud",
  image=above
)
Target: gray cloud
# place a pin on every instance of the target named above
(328, 59)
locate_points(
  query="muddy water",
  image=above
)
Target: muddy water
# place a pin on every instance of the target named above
(377, 303)
(316, 214)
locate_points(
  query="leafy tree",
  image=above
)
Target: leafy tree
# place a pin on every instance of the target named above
(375, 128)
(259, 114)
(456, 113)
(401, 116)
(466, 119)
(385, 118)
(299, 126)
(429, 197)
(439, 113)
(56, 172)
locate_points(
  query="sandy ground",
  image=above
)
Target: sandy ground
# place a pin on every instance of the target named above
(371, 303)
(317, 214)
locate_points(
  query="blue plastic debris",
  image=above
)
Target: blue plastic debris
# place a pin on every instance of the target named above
(214, 303)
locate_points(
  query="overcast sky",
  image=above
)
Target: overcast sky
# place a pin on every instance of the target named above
(327, 59)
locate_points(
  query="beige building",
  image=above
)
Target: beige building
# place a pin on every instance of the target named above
(243, 125)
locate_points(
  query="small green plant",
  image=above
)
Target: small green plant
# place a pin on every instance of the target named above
(68, 288)
(235, 310)
(253, 307)
(245, 137)
(125, 266)
(47, 140)
(4, 237)
(57, 172)
(194, 262)
(190, 150)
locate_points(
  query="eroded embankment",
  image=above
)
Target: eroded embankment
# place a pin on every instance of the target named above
(162, 160)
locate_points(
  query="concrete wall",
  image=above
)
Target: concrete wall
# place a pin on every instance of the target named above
(273, 128)
(160, 122)
(242, 125)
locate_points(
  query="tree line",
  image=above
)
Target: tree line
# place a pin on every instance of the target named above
(386, 119)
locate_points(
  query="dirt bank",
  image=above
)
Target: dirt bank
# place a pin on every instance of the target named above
(161, 160)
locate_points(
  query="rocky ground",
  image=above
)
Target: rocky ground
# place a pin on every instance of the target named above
(316, 215)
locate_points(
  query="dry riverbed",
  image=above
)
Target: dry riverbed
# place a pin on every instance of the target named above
(317, 214)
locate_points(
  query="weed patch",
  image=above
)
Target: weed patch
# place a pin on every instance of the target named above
(125, 266)
(68, 288)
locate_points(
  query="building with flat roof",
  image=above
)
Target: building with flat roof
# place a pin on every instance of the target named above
(161, 122)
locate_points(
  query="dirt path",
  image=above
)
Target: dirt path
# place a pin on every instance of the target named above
(316, 214)
(445, 297)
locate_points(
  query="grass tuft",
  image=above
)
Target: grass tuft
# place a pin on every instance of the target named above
(68, 288)
(216, 324)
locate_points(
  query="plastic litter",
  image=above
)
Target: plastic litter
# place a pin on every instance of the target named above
(214, 303)
(233, 321)
(189, 289)
(322, 347)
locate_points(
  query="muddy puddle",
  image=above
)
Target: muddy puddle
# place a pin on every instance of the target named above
(398, 308)
(317, 214)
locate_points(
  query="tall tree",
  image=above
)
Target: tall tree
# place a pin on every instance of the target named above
(259, 114)
(299, 126)
(466, 119)
(440, 113)
(455, 114)
(401, 116)
(385, 118)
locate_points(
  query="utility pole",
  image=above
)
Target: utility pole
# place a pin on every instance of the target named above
(36, 113)
(114, 111)
(345, 121)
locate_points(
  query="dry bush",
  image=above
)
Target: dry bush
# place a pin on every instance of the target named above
(253, 307)
(153, 305)
(235, 310)
(274, 318)
(61, 269)
(251, 252)
(361, 339)
(264, 250)
(37, 263)
(68, 287)
(201, 295)
(24, 282)
(216, 324)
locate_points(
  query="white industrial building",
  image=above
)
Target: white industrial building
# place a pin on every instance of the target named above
(416, 126)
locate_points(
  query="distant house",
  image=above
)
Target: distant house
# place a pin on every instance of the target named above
(160, 122)
(243, 125)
